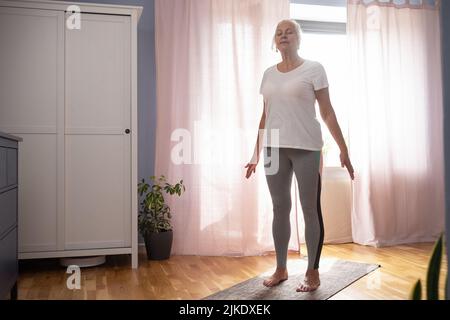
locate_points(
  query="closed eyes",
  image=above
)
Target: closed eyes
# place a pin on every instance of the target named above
(287, 32)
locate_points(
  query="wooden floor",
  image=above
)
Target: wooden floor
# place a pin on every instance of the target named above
(193, 277)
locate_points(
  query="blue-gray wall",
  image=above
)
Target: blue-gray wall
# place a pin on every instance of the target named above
(445, 32)
(146, 83)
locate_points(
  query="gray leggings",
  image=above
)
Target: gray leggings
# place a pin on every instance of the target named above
(305, 164)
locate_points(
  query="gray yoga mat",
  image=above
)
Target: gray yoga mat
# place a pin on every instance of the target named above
(335, 275)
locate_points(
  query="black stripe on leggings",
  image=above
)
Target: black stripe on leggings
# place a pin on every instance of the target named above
(319, 213)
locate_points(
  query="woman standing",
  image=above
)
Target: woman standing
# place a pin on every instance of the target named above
(290, 90)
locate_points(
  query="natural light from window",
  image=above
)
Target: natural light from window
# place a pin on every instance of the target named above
(331, 51)
(318, 13)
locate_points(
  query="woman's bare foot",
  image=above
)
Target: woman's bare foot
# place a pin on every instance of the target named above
(279, 276)
(311, 281)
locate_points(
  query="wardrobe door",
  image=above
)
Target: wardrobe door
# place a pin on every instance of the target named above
(31, 106)
(97, 142)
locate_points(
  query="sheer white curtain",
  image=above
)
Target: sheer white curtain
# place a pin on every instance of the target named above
(210, 57)
(396, 124)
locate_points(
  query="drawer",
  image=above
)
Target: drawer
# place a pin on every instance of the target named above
(8, 167)
(8, 262)
(8, 210)
(3, 174)
(11, 167)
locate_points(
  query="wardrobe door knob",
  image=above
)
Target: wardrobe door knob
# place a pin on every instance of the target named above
(127, 131)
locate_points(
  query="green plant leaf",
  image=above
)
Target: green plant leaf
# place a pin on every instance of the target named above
(434, 270)
(416, 293)
(154, 214)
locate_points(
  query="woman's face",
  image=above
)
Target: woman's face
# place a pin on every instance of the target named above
(285, 37)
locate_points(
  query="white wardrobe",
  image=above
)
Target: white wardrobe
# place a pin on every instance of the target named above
(71, 94)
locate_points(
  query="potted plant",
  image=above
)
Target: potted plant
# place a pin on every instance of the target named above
(154, 218)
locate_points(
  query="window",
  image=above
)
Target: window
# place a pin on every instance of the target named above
(324, 39)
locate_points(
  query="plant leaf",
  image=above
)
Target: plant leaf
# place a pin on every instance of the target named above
(434, 270)
(416, 293)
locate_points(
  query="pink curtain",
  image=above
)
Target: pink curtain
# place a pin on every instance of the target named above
(396, 123)
(210, 57)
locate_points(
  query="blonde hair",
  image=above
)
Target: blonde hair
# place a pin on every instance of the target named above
(297, 30)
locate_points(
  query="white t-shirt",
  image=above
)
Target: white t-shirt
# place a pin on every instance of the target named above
(290, 105)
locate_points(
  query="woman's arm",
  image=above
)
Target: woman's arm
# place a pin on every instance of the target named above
(329, 117)
(258, 145)
(251, 166)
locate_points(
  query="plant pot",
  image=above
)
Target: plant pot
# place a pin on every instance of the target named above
(159, 245)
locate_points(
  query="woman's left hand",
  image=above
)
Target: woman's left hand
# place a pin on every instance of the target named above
(345, 162)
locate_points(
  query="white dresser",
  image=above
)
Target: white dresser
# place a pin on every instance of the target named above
(68, 87)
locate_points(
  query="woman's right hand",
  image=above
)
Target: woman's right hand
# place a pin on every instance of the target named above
(251, 168)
